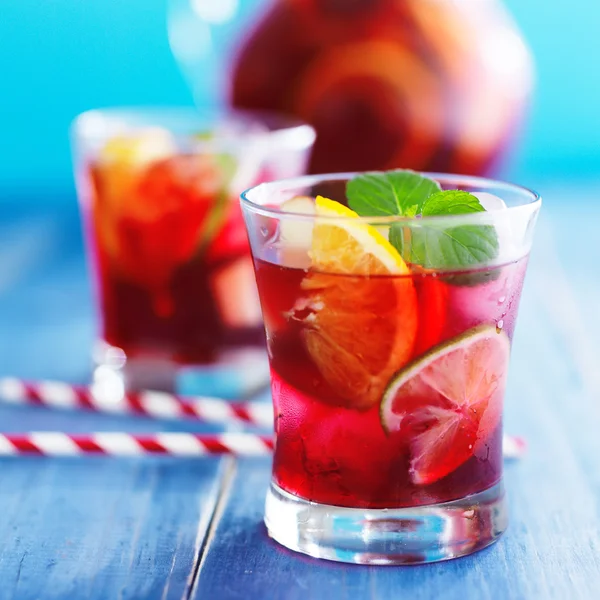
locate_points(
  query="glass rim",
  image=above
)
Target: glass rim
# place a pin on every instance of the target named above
(91, 125)
(527, 208)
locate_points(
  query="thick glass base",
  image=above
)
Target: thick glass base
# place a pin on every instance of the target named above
(394, 536)
(236, 375)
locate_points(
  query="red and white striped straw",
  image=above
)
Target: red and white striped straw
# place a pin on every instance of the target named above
(156, 405)
(57, 443)
(120, 444)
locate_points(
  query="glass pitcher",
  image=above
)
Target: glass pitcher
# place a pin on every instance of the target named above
(439, 85)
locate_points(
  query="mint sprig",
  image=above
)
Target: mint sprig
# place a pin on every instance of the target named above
(425, 242)
(389, 193)
(451, 202)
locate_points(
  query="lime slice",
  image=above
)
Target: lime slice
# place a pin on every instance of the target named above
(449, 402)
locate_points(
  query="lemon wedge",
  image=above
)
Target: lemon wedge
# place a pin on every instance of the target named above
(350, 247)
(139, 150)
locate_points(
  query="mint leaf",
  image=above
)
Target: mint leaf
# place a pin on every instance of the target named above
(451, 202)
(391, 193)
(437, 246)
(431, 244)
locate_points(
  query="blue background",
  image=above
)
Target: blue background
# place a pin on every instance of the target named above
(60, 57)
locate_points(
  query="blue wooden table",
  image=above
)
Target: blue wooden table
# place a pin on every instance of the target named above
(106, 528)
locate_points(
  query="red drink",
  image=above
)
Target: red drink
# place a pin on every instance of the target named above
(389, 301)
(166, 288)
(170, 252)
(334, 454)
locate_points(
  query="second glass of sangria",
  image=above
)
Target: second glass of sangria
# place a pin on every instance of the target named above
(169, 252)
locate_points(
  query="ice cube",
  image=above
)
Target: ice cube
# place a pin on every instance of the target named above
(490, 201)
(296, 234)
(506, 247)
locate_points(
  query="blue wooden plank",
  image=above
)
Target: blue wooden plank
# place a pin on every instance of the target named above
(102, 528)
(69, 528)
(84, 528)
(552, 547)
(14, 420)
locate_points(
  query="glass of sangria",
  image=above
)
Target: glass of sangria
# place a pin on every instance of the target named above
(389, 301)
(158, 191)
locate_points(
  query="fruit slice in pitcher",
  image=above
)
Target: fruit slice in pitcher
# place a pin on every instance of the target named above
(366, 100)
(358, 330)
(448, 402)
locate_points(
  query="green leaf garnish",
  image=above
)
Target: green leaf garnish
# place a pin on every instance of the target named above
(436, 246)
(389, 193)
(203, 136)
(451, 202)
(424, 242)
(226, 166)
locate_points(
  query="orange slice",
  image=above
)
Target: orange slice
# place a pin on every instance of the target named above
(155, 208)
(362, 308)
(374, 102)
